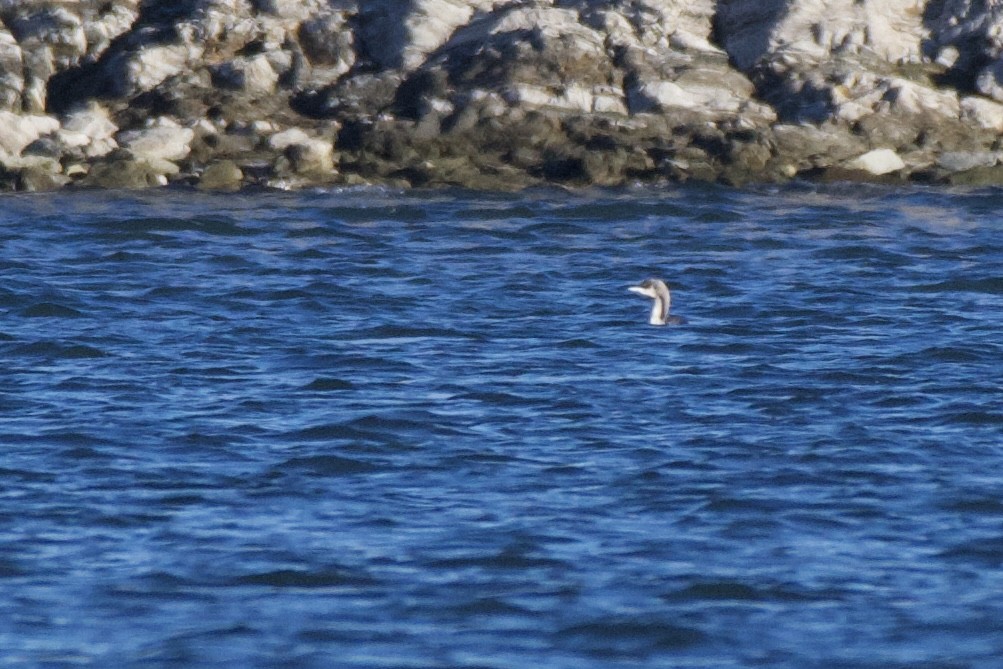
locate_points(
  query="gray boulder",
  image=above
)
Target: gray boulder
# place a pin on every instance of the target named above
(221, 175)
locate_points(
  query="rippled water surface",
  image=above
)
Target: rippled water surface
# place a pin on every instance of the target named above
(366, 429)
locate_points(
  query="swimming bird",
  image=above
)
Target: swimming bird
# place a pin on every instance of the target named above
(659, 292)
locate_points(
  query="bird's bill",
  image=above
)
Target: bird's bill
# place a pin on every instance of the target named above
(641, 290)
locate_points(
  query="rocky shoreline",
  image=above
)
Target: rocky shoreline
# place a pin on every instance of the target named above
(497, 94)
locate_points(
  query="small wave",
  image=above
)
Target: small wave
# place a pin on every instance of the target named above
(631, 636)
(79, 445)
(490, 606)
(408, 332)
(23, 475)
(509, 558)
(326, 465)
(988, 506)
(11, 569)
(9, 298)
(727, 348)
(214, 373)
(951, 354)
(499, 398)
(991, 285)
(419, 424)
(124, 257)
(83, 453)
(181, 501)
(737, 591)
(872, 254)
(328, 384)
(577, 343)
(301, 578)
(352, 428)
(171, 292)
(405, 213)
(50, 310)
(554, 228)
(486, 457)
(982, 551)
(973, 417)
(51, 349)
(282, 295)
(143, 227)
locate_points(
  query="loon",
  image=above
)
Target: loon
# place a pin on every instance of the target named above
(659, 292)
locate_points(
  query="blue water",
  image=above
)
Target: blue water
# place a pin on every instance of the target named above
(369, 429)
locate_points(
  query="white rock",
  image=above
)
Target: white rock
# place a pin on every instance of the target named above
(661, 25)
(161, 166)
(819, 146)
(71, 139)
(76, 170)
(11, 72)
(689, 42)
(20, 162)
(877, 162)
(307, 154)
(7, 160)
(430, 26)
(608, 102)
(441, 106)
(402, 34)
(545, 22)
(814, 30)
(989, 81)
(286, 138)
(205, 127)
(959, 161)
(531, 95)
(292, 9)
(144, 69)
(911, 97)
(948, 56)
(213, 21)
(492, 104)
(986, 113)
(259, 76)
(165, 140)
(965, 31)
(90, 147)
(115, 19)
(574, 97)
(314, 157)
(620, 29)
(919, 159)
(254, 75)
(662, 95)
(92, 120)
(89, 128)
(328, 43)
(659, 95)
(861, 94)
(57, 32)
(19, 130)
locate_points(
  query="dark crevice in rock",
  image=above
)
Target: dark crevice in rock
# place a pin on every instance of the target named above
(73, 86)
